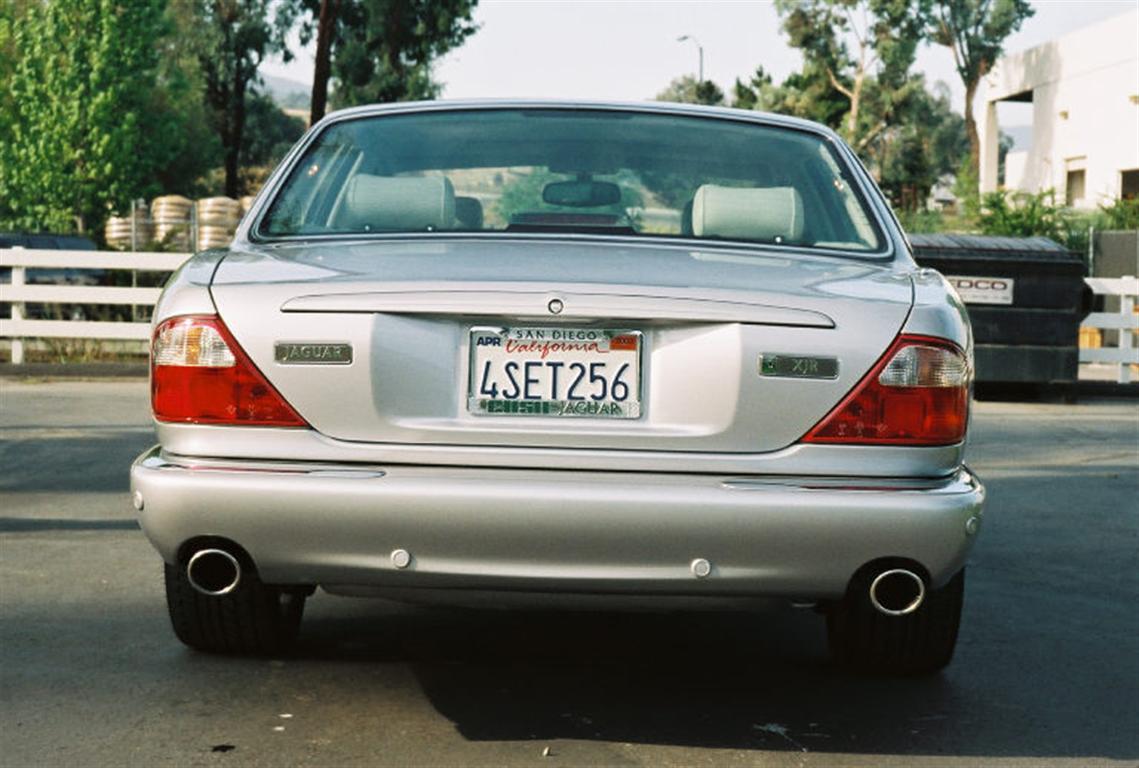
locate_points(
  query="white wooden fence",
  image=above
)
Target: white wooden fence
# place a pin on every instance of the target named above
(1126, 354)
(18, 292)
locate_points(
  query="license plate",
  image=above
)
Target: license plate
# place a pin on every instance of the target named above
(570, 372)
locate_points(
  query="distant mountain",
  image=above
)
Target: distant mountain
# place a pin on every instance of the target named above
(289, 94)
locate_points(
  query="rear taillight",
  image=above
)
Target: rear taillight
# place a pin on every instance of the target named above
(917, 394)
(199, 375)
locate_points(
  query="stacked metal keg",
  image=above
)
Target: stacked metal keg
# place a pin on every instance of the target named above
(134, 232)
(172, 221)
(177, 223)
(217, 220)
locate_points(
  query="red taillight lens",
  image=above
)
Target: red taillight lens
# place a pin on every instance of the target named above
(199, 375)
(917, 394)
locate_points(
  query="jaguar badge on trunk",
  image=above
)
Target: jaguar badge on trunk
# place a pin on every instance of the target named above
(312, 353)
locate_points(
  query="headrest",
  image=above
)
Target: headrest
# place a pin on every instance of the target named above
(413, 203)
(468, 210)
(747, 213)
(686, 220)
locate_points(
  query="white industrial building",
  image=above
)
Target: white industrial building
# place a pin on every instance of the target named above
(1084, 91)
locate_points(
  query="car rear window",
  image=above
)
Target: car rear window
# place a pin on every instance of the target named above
(600, 172)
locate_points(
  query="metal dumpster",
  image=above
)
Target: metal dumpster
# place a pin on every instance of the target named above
(1026, 298)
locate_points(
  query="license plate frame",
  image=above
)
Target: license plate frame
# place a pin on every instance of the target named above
(479, 403)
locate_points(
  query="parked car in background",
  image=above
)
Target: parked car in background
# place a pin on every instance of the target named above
(650, 351)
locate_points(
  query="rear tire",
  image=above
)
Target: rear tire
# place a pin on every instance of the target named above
(862, 638)
(253, 619)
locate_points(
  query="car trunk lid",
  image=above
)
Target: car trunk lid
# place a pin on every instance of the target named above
(704, 320)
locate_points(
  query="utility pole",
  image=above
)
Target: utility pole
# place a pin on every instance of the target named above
(700, 52)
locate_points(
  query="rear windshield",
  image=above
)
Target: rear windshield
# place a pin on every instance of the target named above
(573, 171)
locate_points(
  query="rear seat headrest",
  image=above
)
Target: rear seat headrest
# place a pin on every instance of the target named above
(747, 213)
(412, 203)
(468, 212)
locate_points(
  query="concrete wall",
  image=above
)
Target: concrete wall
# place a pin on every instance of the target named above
(1085, 96)
(1016, 163)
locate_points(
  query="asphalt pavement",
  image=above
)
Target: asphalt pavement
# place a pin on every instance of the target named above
(1046, 672)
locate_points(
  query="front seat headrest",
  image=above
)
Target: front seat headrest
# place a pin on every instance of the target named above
(748, 213)
(397, 203)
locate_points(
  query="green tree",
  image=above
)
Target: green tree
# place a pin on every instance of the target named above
(190, 146)
(270, 133)
(12, 15)
(927, 143)
(78, 138)
(865, 48)
(1022, 214)
(975, 30)
(755, 93)
(686, 90)
(807, 94)
(230, 39)
(1122, 213)
(378, 51)
(855, 78)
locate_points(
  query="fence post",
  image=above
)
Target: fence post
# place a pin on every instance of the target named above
(17, 312)
(1091, 250)
(193, 227)
(1126, 334)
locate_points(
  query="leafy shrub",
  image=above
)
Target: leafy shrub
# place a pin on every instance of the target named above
(1120, 214)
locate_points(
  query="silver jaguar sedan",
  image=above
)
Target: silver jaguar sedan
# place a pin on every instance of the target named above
(564, 352)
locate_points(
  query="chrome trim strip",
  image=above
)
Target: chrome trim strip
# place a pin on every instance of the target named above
(157, 458)
(309, 447)
(962, 482)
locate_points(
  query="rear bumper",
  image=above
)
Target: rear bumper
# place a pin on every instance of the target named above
(549, 531)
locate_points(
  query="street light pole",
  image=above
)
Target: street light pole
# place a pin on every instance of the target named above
(700, 51)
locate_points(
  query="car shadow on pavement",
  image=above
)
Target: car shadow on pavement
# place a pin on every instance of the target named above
(742, 681)
(73, 461)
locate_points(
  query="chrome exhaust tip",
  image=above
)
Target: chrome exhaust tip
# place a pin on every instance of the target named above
(897, 592)
(213, 572)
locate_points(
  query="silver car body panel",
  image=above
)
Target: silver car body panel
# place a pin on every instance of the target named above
(938, 311)
(408, 308)
(187, 291)
(714, 469)
(553, 530)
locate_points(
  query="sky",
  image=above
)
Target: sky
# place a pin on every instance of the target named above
(628, 49)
